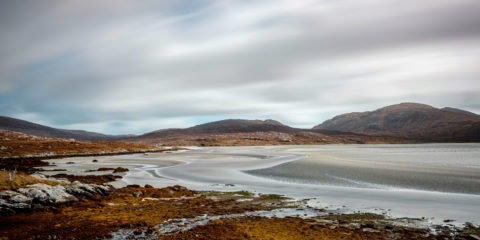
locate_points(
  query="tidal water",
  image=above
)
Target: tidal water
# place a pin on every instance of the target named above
(432, 167)
(435, 181)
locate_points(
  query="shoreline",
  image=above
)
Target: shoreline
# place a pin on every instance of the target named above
(227, 203)
(206, 169)
(179, 213)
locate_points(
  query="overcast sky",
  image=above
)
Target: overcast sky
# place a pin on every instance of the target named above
(136, 66)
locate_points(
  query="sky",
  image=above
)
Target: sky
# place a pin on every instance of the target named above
(129, 67)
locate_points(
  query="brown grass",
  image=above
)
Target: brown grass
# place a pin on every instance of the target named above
(141, 209)
(20, 180)
(260, 228)
(13, 144)
(263, 138)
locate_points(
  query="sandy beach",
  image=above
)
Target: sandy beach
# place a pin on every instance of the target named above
(398, 180)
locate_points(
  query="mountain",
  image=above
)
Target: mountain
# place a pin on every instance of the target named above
(249, 132)
(17, 125)
(240, 125)
(456, 110)
(410, 120)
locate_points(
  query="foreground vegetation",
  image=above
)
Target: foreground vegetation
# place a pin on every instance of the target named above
(16, 145)
(174, 212)
(10, 180)
(178, 213)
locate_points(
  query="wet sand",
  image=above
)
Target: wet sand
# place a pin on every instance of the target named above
(435, 188)
(453, 168)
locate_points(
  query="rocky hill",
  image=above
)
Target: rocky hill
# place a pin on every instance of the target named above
(410, 120)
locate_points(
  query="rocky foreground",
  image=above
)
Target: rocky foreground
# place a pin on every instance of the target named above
(74, 210)
(69, 206)
(40, 195)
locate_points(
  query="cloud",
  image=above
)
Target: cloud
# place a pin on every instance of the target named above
(140, 66)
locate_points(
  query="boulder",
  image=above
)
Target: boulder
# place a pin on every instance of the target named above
(46, 194)
(87, 190)
(39, 195)
(20, 198)
(11, 201)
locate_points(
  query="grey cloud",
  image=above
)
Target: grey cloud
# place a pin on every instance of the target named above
(112, 66)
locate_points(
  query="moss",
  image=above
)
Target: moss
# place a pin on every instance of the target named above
(354, 216)
(471, 229)
(272, 197)
(241, 193)
(229, 194)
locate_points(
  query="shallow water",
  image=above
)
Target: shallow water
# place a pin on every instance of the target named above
(436, 181)
(432, 167)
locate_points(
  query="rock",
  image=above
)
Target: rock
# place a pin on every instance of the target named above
(20, 198)
(47, 194)
(473, 237)
(87, 190)
(38, 195)
(18, 206)
(10, 206)
(181, 188)
(80, 189)
(40, 176)
(7, 194)
(120, 169)
(15, 198)
(370, 230)
(104, 190)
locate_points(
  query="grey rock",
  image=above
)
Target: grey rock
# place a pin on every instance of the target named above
(88, 190)
(12, 197)
(20, 206)
(20, 198)
(105, 190)
(38, 195)
(40, 176)
(7, 194)
(12, 206)
(47, 194)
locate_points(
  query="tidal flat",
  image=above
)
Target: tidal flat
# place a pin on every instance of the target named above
(307, 192)
(433, 181)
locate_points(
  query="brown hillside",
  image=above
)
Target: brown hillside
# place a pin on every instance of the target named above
(410, 120)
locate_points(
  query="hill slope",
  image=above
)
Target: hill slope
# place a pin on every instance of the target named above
(410, 120)
(249, 132)
(17, 125)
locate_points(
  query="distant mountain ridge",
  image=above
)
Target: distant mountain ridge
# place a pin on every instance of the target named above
(249, 132)
(240, 125)
(222, 127)
(405, 122)
(410, 120)
(22, 126)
